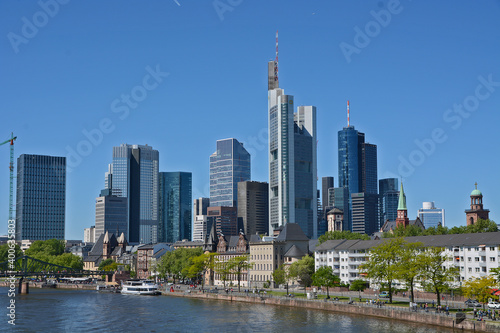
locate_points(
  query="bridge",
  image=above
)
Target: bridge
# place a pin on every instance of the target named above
(25, 266)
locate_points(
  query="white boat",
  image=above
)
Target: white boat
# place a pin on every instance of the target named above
(140, 287)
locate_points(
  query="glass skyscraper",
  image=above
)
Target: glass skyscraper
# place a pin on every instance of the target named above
(292, 160)
(229, 164)
(40, 197)
(430, 215)
(357, 168)
(134, 175)
(389, 197)
(175, 213)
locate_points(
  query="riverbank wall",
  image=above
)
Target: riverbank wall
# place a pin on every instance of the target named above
(355, 309)
(81, 286)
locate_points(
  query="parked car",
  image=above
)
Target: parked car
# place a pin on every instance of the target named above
(472, 304)
(384, 294)
(494, 305)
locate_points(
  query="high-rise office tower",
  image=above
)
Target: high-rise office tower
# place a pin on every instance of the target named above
(357, 167)
(200, 206)
(326, 184)
(110, 214)
(253, 207)
(389, 197)
(40, 197)
(175, 212)
(430, 215)
(341, 200)
(365, 213)
(134, 175)
(229, 164)
(292, 160)
(225, 219)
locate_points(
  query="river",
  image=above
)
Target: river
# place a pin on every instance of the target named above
(56, 310)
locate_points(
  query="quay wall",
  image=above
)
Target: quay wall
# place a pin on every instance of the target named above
(391, 313)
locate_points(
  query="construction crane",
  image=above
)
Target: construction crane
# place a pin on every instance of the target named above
(11, 168)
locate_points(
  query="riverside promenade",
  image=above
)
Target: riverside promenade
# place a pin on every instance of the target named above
(430, 317)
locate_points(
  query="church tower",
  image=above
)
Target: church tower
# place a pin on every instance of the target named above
(476, 210)
(402, 217)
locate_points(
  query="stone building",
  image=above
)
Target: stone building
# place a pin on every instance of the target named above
(476, 210)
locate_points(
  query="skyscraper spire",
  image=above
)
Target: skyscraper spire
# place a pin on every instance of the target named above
(276, 61)
(402, 198)
(348, 120)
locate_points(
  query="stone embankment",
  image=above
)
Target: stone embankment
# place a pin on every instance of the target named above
(385, 311)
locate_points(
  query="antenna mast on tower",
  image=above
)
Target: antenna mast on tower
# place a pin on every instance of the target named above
(276, 60)
(348, 121)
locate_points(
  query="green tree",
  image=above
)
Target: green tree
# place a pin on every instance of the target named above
(332, 235)
(4, 252)
(50, 247)
(496, 273)
(410, 265)
(223, 268)
(68, 260)
(434, 275)
(482, 226)
(479, 288)
(200, 265)
(105, 263)
(177, 263)
(358, 285)
(324, 277)
(382, 264)
(280, 275)
(238, 265)
(302, 270)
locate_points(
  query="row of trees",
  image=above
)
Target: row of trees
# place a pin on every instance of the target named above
(410, 263)
(411, 230)
(182, 264)
(51, 251)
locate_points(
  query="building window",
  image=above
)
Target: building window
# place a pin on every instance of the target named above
(492, 248)
(484, 269)
(470, 269)
(469, 259)
(492, 259)
(477, 258)
(477, 269)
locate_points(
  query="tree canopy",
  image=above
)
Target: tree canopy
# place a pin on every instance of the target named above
(4, 252)
(324, 277)
(332, 235)
(480, 226)
(302, 270)
(479, 288)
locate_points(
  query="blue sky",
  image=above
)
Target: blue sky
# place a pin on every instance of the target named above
(422, 77)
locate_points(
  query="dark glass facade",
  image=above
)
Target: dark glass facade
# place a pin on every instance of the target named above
(389, 196)
(175, 211)
(41, 197)
(229, 165)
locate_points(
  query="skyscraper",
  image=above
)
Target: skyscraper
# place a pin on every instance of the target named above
(389, 197)
(253, 207)
(175, 212)
(40, 197)
(430, 215)
(326, 184)
(365, 213)
(292, 160)
(229, 164)
(110, 214)
(357, 167)
(200, 231)
(134, 174)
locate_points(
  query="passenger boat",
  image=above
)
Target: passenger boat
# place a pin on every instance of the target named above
(140, 287)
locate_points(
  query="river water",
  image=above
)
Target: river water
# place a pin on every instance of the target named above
(56, 310)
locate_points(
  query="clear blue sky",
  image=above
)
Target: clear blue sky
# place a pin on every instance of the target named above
(65, 72)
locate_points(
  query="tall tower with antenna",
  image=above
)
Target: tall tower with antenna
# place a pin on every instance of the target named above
(272, 70)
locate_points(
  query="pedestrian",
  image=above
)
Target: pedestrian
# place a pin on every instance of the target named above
(447, 310)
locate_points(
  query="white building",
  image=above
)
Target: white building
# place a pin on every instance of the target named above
(200, 228)
(474, 254)
(89, 235)
(430, 215)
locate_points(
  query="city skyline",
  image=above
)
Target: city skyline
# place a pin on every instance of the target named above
(424, 87)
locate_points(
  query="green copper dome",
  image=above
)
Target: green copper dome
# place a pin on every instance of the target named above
(402, 199)
(476, 192)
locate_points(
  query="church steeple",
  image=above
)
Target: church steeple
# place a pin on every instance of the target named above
(402, 217)
(402, 198)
